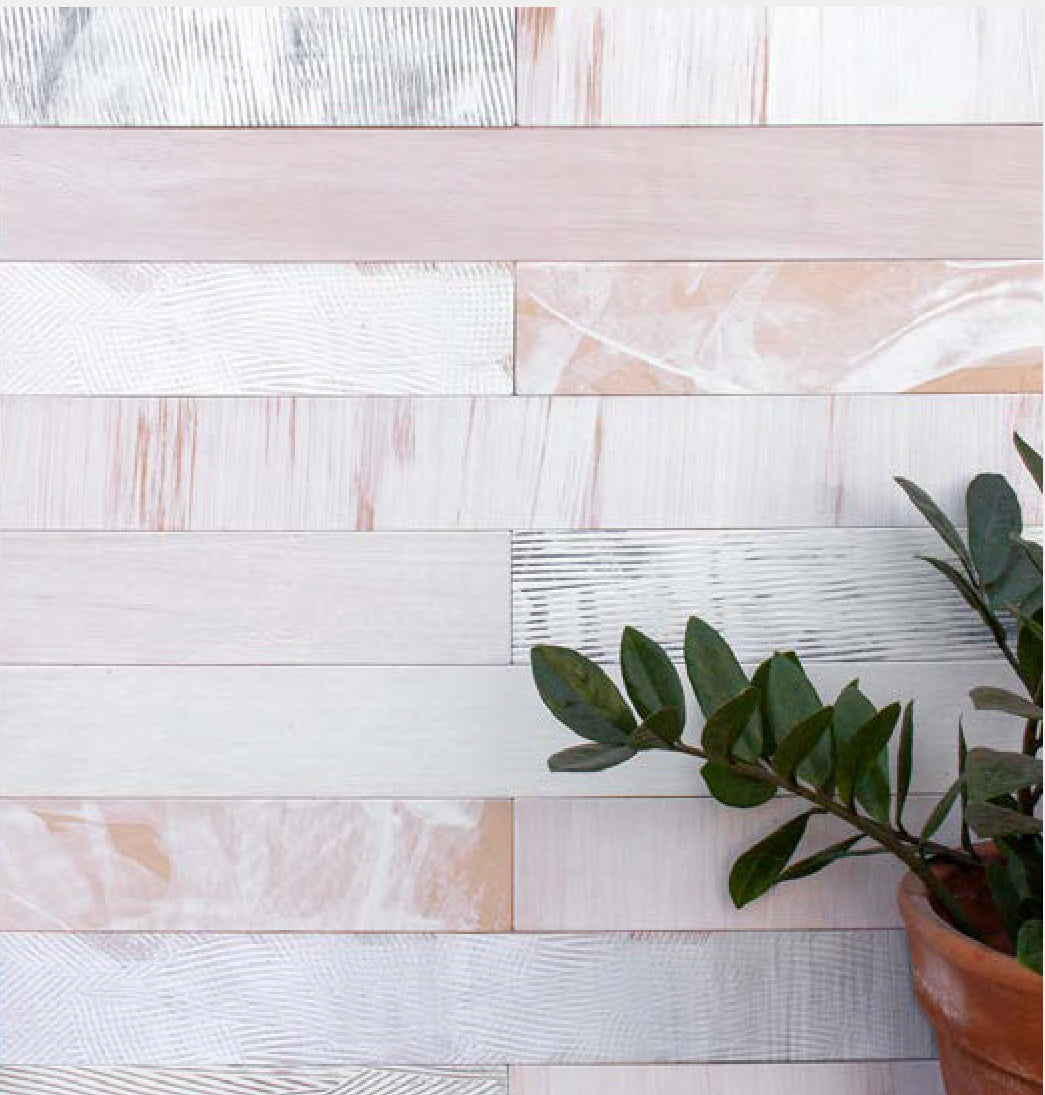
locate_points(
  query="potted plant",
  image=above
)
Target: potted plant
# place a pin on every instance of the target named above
(973, 910)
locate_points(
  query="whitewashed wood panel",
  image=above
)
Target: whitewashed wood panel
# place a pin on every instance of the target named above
(852, 1078)
(256, 328)
(243, 1081)
(779, 66)
(130, 599)
(625, 864)
(498, 462)
(787, 327)
(524, 194)
(299, 865)
(417, 732)
(191, 1000)
(857, 595)
(266, 66)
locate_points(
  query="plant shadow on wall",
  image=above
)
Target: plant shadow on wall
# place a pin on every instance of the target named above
(772, 734)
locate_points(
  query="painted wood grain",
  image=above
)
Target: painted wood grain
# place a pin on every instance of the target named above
(858, 595)
(192, 1000)
(624, 864)
(306, 865)
(417, 732)
(246, 463)
(779, 66)
(132, 599)
(242, 1081)
(255, 328)
(668, 328)
(524, 194)
(281, 66)
(852, 1078)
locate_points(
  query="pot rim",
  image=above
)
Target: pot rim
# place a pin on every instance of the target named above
(919, 915)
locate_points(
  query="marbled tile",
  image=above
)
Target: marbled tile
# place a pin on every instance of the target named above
(185, 865)
(779, 327)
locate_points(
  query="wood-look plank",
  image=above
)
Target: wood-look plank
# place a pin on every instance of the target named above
(587, 66)
(307, 865)
(585, 865)
(417, 732)
(193, 1000)
(524, 194)
(749, 327)
(244, 1081)
(245, 463)
(266, 66)
(248, 598)
(858, 595)
(255, 328)
(852, 1078)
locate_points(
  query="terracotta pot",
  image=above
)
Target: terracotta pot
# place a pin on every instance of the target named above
(983, 1005)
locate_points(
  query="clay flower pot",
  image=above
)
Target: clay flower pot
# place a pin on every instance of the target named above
(983, 1005)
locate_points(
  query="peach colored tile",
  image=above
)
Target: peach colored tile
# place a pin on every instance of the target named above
(779, 327)
(315, 865)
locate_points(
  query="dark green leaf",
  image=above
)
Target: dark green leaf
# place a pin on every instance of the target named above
(732, 789)
(1032, 551)
(863, 749)
(904, 763)
(1028, 942)
(819, 860)
(790, 698)
(1028, 649)
(993, 513)
(988, 698)
(1020, 584)
(1003, 895)
(991, 773)
(716, 677)
(650, 675)
(1031, 459)
(963, 764)
(940, 522)
(580, 695)
(988, 820)
(759, 868)
(972, 598)
(801, 741)
(853, 710)
(724, 726)
(660, 731)
(589, 758)
(941, 810)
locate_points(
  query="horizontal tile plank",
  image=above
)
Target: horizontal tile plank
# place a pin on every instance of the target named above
(852, 1078)
(778, 66)
(281, 66)
(396, 732)
(311, 865)
(537, 194)
(858, 595)
(256, 328)
(585, 865)
(728, 328)
(498, 462)
(185, 1000)
(249, 598)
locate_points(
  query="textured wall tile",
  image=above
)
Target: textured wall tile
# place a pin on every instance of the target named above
(264, 66)
(665, 328)
(242, 328)
(255, 866)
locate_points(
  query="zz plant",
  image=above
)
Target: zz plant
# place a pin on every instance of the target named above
(772, 734)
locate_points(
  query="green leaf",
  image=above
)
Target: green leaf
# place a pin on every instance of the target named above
(993, 513)
(904, 763)
(991, 773)
(1001, 699)
(580, 695)
(801, 741)
(972, 598)
(1028, 649)
(590, 758)
(732, 789)
(819, 860)
(1028, 942)
(716, 677)
(649, 674)
(724, 726)
(1019, 584)
(940, 522)
(760, 867)
(853, 710)
(941, 810)
(660, 731)
(862, 750)
(1004, 896)
(988, 820)
(1031, 460)
(1032, 551)
(790, 698)
(963, 764)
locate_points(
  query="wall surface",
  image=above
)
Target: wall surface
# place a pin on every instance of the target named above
(347, 353)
